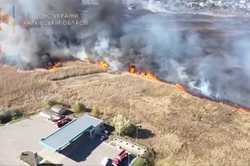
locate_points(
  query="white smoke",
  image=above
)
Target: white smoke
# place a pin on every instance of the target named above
(188, 49)
(18, 43)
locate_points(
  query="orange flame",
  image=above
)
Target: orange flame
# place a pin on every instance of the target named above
(180, 87)
(102, 64)
(240, 110)
(148, 75)
(55, 67)
(132, 69)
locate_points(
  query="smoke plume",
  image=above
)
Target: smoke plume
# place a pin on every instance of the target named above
(208, 54)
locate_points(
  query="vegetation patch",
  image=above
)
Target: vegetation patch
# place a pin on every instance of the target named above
(139, 162)
(79, 108)
(10, 115)
(96, 112)
(123, 126)
(51, 103)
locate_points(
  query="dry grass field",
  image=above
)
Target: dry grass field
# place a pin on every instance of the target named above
(183, 130)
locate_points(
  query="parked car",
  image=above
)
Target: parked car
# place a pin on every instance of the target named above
(120, 157)
(52, 116)
(128, 160)
(59, 109)
(63, 122)
(58, 118)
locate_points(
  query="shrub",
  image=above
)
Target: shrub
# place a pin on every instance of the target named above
(79, 108)
(50, 103)
(16, 114)
(10, 115)
(140, 162)
(130, 130)
(5, 117)
(123, 126)
(96, 112)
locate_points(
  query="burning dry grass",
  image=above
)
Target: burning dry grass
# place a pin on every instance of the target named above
(102, 64)
(144, 74)
(76, 70)
(187, 130)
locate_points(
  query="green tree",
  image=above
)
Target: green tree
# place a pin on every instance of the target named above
(79, 107)
(123, 126)
(96, 112)
(50, 103)
(140, 162)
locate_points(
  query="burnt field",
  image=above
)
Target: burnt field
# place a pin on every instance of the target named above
(184, 130)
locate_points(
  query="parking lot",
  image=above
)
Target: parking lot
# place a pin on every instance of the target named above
(26, 134)
(93, 158)
(22, 136)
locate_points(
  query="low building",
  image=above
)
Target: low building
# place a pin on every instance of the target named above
(63, 137)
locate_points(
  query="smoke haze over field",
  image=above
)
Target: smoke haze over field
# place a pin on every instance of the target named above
(210, 55)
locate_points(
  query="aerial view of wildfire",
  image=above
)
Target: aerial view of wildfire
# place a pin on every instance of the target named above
(125, 82)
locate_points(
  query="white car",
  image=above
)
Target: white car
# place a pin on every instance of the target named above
(59, 109)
